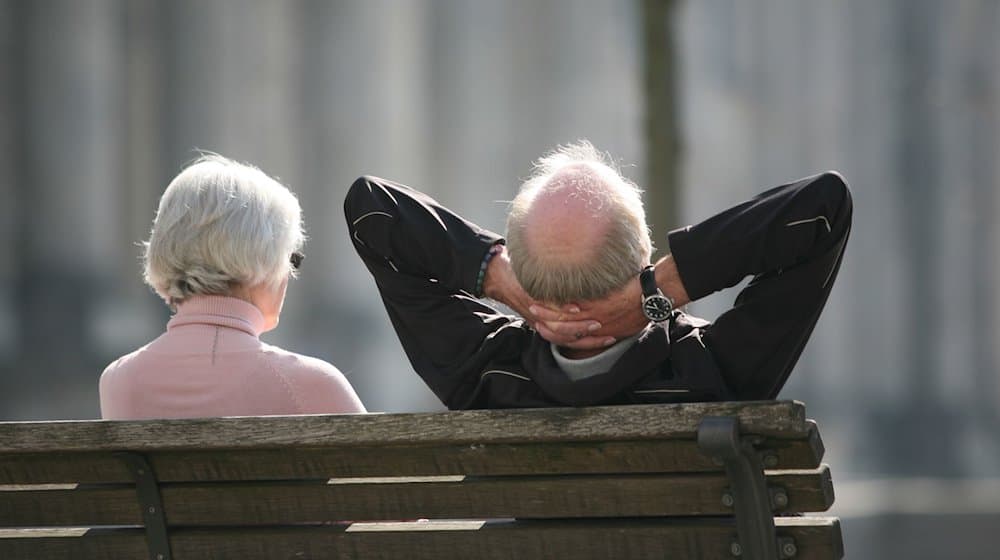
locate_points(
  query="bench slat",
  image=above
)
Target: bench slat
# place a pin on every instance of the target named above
(634, 539)
(311, 463)
(639, 422)
(485, 497)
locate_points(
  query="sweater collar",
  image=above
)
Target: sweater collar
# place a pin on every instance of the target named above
(577, 369)
(650, 351)
(220, 311)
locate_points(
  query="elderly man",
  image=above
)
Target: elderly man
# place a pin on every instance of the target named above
(599, 324)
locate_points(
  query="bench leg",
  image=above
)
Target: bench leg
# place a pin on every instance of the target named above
(148, 493)
(719, 438)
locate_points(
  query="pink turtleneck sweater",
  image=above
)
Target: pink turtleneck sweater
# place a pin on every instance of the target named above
(210, 362)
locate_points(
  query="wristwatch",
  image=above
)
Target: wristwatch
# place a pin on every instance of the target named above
(655, 306)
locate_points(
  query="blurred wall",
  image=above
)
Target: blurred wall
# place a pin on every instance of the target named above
(103, 102)
(903, 97)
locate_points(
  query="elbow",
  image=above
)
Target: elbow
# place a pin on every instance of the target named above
(834, 188)
(832, 181)
(836, 195)
(360, 189)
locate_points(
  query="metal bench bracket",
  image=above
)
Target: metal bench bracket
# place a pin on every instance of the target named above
(148, 492)
(719, 438)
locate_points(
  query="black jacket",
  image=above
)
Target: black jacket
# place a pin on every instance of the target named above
(425, 260)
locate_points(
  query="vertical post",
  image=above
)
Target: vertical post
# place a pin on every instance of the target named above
(148, 493)
(719, 438)
(661, 126)
(11, 162)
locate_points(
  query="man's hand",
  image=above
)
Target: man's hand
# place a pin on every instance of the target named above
(501, 284)
(619, 313)
(568, 327)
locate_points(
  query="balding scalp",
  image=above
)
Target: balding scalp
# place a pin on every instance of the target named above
(577, 228)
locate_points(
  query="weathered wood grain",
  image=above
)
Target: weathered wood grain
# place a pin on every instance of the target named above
(632, 539)
(275, 503)
(290, 462)
(808, 491)
(74, 544)
(660, 421)
(586, 483)
(815, 537)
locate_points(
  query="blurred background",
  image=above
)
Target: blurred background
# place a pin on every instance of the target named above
(702, 102)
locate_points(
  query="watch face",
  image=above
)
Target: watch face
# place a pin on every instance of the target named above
(656, 308)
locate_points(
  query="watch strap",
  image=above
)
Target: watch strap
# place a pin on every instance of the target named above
(647, 280)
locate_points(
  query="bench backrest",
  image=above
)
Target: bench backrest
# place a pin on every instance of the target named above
(603, 482)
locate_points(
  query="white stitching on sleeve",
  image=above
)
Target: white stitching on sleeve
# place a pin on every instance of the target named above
(370, 214)
(810, 220)
(507, 373)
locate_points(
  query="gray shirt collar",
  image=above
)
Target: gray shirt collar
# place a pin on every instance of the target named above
(589, 367)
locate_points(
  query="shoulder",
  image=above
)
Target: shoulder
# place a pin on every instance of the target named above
(117, 383)
(305, 373)
(122, 365)
(292, 362)
(319, 386)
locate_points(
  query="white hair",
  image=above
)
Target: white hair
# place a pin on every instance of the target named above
(221, 225)
(625, 249)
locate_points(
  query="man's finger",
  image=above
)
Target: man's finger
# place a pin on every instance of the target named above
(552, 336)
(568, 312)
(570, 340)
(568, 329)
(545, 313)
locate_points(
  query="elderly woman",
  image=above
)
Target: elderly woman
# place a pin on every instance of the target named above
(224, 243)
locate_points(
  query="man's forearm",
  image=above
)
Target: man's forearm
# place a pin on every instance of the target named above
(669, 280)
(501, 285)
(415, 235)
(424, 258)
(777, 229)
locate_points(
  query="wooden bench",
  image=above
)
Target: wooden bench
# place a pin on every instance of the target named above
(644, 481)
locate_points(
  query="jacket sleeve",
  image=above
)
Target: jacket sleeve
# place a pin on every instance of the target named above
(791, 240)
(778, 229)
(425, 260)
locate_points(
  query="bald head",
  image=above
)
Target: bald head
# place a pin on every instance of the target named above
(577, 229)
(567, 220)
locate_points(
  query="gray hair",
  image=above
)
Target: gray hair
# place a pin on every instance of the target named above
(625, 249)
(221, 224)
